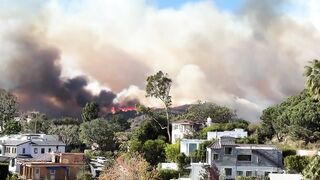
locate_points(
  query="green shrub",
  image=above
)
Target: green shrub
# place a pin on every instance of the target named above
(167, 174)
(172, 151)
(182, 161)
(296, 164)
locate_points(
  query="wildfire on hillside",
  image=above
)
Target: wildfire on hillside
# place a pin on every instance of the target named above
(114, 110)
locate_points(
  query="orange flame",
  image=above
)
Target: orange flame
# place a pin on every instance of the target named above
(122, 109)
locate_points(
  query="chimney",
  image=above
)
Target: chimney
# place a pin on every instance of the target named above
(209, 121)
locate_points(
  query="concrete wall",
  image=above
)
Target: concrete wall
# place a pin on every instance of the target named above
(259, 164)
(236, 133)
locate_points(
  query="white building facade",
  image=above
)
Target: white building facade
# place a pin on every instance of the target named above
(188, 146)
(236, 133)
(33, 146)
(182, 128)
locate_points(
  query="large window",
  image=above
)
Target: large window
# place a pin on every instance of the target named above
(42, 150)
(49, 150)
(35, 150)
(228, 171)
(228, 150)
(244, 157)
(192, 147)
(23, 150)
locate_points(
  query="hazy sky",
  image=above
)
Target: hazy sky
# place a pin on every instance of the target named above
(245, 54)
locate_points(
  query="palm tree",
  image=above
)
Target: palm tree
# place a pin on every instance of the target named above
(312, 73)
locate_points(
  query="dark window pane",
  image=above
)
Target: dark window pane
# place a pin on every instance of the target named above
(244, 157)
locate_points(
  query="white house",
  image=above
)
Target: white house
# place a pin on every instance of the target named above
(182, 128)
(236, 133)
(28, 146)
(187, 146)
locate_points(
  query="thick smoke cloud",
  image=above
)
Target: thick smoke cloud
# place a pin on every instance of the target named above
(247, 60)
(35, 74)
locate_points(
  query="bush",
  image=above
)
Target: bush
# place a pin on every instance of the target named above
(296, 164)
(182, 161)
(84, 174)
(253, 139)
(201, 154)
(168, 174)
(172, 151)
(12, 177)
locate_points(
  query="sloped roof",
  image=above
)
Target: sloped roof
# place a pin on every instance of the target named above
(15, 142)
(48, 143)
(39, 158)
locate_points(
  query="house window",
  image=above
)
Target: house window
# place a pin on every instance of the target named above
(228, 171)
(239, 173)
(228, 150)
(215, 156)
(175, 127)
(244, 157)
(192, 147)
(248, 173)
(42, 150)
(49, 150)
(23, 150)
(35, 150)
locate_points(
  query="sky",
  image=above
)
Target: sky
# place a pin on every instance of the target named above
(243, 54)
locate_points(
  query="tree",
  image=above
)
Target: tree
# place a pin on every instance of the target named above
(312, 72)
(39, 124)
(133, 167)
(90, 111)
(147, 130)
(172, 151)
(203, 110)
(119, 123)
(312, 171)
(98, 131)
(297, 117)
(154, 151)
(8, 107)
(158, 86)
(68, 134)
(12, 127)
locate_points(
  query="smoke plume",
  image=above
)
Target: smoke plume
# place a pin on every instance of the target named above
(247, 59)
